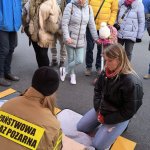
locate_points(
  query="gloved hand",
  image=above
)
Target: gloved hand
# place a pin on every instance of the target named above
(117, 26)
(138, 40)
(100, 118)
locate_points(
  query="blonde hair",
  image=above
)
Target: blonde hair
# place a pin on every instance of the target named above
(117, 51)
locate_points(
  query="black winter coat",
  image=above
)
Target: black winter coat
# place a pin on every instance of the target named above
(118, 98)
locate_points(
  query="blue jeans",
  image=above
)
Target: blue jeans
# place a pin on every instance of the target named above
(89, 51)
(8, 42)
(105, 135)
(75, 57)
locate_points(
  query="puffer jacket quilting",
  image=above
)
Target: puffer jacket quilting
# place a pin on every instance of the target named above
(74, 22)
(133, 24)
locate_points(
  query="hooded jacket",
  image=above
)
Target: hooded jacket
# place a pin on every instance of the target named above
(74, 22)
(29, 108)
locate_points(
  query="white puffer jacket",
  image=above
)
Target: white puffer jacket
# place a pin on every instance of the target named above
(74, 22)
(133, 24)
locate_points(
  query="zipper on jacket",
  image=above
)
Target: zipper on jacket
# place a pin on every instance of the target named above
(80, 27)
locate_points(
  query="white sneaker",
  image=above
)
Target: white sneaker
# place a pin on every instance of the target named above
(63, 73)
(73, 79)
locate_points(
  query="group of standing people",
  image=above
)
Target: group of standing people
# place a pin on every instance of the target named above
(75, 25)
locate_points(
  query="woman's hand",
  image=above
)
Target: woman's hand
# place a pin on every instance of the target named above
(69, 41)
(100, 118)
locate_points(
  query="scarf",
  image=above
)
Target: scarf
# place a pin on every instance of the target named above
(111, 74)
(128, 2)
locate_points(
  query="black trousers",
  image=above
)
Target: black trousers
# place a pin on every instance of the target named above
(41, 55)
(8, 42)
(89, 51)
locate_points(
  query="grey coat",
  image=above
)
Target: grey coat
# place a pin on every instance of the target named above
(74, 22)
(133, 24)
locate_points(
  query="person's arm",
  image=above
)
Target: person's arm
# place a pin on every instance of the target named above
(91, 24)
(66, 20)
(98, 92)
(114, 12)
(131, 97)
(141, 20)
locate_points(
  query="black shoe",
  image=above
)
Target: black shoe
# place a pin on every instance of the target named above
(54, 63)
(61, 64)
(11, 77)
(4, 82)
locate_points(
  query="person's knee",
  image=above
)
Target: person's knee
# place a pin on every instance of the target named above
(80, 127)
(99, 145)
(11, 51)
(4, 52)
(80, 61)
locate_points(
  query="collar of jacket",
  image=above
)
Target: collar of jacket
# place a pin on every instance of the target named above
(33, 94)
(133, 5)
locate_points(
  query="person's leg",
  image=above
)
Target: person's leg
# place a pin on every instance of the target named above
(107, 134)
(129, 48)
(4, 50)
(63, 52)
(71, 63)
(88, 122)
(89, 49)
(121, 41)
(54, 57)
(71, 59)
(79, 55)
(41, 55)
(149, 69)
(13, 40)
(147, 76)
(98, 58)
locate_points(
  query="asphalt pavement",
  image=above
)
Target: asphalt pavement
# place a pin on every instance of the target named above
(79, 97)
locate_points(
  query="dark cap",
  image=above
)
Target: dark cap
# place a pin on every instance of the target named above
(45, 80)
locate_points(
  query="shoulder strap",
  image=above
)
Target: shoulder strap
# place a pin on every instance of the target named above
(89, 9)
(72, 9)
(121, 19)
(99, 9)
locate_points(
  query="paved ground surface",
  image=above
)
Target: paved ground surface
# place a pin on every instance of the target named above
(79, 97)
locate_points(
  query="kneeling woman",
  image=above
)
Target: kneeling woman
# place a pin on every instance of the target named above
(117, 97)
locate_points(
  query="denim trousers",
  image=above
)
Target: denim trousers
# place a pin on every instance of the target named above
(89, 51)
(75, 57)
(8, 42)
(41, 55)
(128, 46)
(105, 135)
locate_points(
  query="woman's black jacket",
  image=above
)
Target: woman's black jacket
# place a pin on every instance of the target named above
(118, 98)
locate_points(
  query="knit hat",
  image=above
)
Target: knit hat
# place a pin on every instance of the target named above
(104, 31)
(45, 80)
